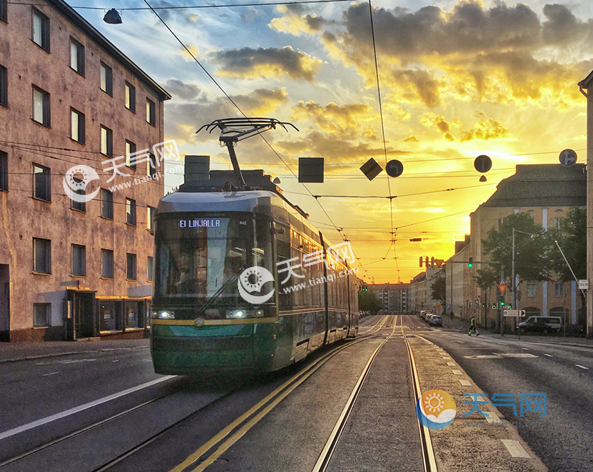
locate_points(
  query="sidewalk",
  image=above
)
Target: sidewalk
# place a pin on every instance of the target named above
(462, 326)
(15, 352)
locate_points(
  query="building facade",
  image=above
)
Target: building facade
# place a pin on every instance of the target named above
(420, 291)
(546, 192)
(76, 116)
(393, 297)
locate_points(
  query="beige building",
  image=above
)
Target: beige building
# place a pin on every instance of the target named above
(546, 192)
(420, 292)
(393, 297)
(72, 105)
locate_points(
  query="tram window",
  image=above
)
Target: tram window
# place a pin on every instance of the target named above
(283, 253)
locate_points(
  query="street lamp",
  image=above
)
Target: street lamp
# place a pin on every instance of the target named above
(112, 17)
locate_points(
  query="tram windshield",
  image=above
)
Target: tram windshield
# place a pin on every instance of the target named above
(203, 257)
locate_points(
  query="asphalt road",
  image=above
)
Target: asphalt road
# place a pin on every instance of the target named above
(79, 412)
(562, 438)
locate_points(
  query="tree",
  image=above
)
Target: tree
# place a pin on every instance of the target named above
(368, 301)
(438, 291)
(572, 238)
(531, 250)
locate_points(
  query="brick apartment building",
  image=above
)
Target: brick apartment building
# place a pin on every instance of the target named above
(393, 297)
(68, 97)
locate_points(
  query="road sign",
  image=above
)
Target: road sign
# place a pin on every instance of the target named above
(394, 168)
(502, 288)
(483, 164)
(514, 313)
(448, 309)
(371, 169)
(568, 158)
(584, 284)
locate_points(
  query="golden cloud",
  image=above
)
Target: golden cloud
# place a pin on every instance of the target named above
(485, 130)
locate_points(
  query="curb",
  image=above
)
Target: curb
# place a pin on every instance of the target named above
(63, 354)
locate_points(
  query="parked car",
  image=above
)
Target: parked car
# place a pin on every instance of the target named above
(541, 324)
(435, 320)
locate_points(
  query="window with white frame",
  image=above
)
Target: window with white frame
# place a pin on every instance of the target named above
(531, 290)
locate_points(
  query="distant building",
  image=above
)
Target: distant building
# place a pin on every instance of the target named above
(69, 97)
(546, 192)
(393, 297)
(421, 291)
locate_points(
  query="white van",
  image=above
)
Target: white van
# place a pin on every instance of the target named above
(554, 322)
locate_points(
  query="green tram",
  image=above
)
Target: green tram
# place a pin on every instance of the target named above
(243, 282)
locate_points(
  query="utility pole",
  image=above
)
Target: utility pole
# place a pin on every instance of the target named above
(513, 286)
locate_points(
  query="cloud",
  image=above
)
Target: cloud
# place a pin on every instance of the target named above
(411, 139)
(561, 26)
(269, 62)
(467, 27)
(429, 119)
(177, 88)
(249, 15)
(486, 129)
(297, 23)
(425, 86)
(183, 119)
(193, 49)
(354, 118)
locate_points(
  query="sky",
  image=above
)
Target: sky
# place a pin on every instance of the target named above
(457, 79)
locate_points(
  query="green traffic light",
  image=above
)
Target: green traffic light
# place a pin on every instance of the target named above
(471, 262)
(501, 303)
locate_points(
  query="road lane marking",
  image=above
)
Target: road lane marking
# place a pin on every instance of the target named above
(582, 366)
(465, 383)
(447, 358)
(457, 372)
(116, 360)
(487, 356)
(50, 373)
(525, 348)
(451, 364)
(491, 417)
(548, 355)
(515, 449)
(86, 406)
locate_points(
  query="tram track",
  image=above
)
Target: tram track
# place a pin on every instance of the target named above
(248, 419)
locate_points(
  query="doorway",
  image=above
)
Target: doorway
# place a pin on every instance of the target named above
(4, 302)
(84, 315)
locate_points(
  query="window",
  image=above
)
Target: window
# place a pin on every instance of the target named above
(77, 126)
(556, 222)
(151, 164)
(40, 29)
(3, 170)
(149, 217)
(42, 256)
(107, 263)
(131, 267)
(150, 268)
(41, 312)
(150, 112)
(106, 141)
(131, 154)
(559, 290)
(130, 97)
(75, 204)
(76, 56)
(3, 12)
(106, 79)
(41, 106)
(531, 290)
(106, 204)
(78, 260)
(130, 211)
(41, 183)
(3, 86)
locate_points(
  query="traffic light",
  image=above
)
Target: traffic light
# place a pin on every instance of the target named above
(471, 262)
(494, 306)
(501, 303)
(483, 305)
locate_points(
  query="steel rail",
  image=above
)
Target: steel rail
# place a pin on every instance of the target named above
(428, 456)
(334, 438)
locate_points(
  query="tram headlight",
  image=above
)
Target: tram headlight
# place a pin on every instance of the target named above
(162, 315)
(241, 314)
